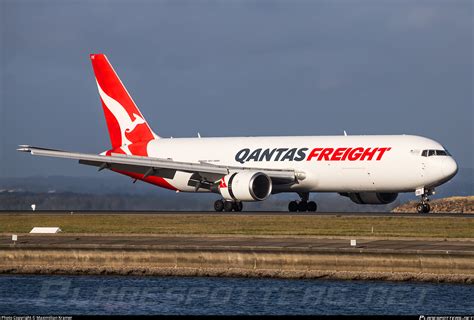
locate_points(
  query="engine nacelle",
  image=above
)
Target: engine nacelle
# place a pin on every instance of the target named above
(372, 197)
(246, 186)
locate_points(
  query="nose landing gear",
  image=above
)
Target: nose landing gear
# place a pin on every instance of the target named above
(303, 205)
(424, 206)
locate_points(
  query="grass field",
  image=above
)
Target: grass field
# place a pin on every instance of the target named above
(405, 226)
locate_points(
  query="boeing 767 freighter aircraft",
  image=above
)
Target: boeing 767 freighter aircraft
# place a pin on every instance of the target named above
(367, 169)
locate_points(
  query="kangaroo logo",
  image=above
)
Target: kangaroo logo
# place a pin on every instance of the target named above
(126, 123)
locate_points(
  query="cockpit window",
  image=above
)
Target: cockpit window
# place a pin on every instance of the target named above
(432, 152)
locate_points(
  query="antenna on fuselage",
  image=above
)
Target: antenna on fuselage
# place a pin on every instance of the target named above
(199, 135)
(345, 133)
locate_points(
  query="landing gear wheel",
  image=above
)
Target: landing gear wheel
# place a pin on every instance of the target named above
(302, 206)
(228, 206)
(420, 208)
(423, 208)
(238, 206)
(219, 205)
(293, 206)
(427, 208)
(312, 206)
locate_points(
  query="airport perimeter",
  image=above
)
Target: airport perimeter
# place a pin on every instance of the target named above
(403, 247)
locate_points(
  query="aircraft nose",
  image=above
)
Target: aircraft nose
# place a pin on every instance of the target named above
(450, 167)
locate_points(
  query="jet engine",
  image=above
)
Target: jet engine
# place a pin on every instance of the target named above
(372, 197)
(245, 186)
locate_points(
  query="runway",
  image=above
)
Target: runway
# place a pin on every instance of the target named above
(244, 213)
(218, 243)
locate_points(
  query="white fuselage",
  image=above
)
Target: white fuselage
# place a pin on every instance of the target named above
(396, 166)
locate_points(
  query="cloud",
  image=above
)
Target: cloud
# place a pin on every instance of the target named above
(235, 68)
(421, 17)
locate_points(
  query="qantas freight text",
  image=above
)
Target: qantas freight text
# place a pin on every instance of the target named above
(318, 154)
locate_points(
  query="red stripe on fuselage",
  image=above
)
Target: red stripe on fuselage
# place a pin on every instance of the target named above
(140, 149)
(157, 181)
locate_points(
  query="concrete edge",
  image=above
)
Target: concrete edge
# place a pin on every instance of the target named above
(246, 273)
(253, 249)
(198, 235)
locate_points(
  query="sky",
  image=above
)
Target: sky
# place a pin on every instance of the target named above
(233, 68)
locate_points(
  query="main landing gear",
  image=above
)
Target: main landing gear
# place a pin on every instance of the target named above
(424, 206)
(228, 206)
(303, 205)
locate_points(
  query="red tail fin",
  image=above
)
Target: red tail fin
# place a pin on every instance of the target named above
(124, 120)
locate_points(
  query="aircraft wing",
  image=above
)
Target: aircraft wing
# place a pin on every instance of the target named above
(166, 168)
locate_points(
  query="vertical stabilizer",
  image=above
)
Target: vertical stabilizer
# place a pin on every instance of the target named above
(125, 122)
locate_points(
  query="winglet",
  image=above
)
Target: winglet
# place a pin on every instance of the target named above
(24, 148)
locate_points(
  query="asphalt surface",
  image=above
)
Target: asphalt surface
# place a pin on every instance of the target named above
(250, 213)
(56, 241)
